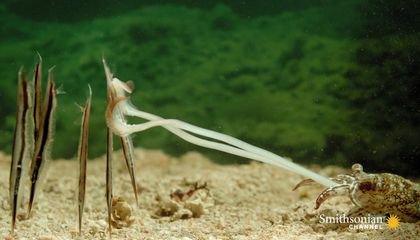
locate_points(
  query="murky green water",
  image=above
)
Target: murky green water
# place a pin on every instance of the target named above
(328, 82)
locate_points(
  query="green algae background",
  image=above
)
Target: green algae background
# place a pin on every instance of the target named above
(325, 82)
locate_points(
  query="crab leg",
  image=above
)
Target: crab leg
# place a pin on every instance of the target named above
(330, 192)
(304, 182)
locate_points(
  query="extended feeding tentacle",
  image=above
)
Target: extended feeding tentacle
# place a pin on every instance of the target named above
(231, 145)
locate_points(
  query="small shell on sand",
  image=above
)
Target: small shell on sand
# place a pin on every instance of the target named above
(121, 213)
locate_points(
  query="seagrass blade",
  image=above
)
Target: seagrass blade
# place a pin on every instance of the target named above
(37, 102)
(83, 156)
(109, 151)
(43, 141)
(22, 145)
(128, 150)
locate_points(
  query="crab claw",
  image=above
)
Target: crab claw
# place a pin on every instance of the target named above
(331, 192)
(304, 182)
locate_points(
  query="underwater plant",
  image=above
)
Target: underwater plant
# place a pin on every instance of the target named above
(22, 145)
(43, 141)
(33, 137)
(83, 155)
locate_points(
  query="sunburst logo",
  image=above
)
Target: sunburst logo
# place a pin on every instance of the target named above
(393, 222)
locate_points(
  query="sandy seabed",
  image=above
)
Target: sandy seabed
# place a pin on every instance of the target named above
(184, 198)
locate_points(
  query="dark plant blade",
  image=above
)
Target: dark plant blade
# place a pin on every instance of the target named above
(128, 150)
(37, 102)
(22, 145)
(83, 155)
(44, 140)
(126, 142)
(109, 151)
(110, 90)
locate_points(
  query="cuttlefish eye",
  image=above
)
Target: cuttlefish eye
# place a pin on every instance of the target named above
(130, 84)
(126, 86)
(357, 168)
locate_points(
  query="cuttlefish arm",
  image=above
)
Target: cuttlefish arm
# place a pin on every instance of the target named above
(227, 143)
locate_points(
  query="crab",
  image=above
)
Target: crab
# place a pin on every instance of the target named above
(379, 194)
